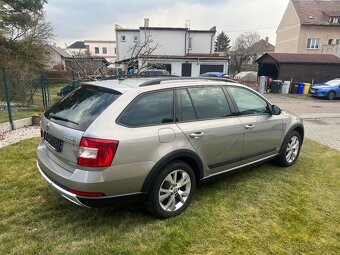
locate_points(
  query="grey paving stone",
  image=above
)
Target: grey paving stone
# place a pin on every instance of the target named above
(321, 117)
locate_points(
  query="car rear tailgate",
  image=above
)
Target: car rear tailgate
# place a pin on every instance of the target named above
(66, 155)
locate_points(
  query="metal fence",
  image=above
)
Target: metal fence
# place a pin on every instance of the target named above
(250, 82)
(24, 94)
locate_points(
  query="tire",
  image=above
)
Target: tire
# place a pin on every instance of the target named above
(173, 199)
(290, 149)
(331, 95)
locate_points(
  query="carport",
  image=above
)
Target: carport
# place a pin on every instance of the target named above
(299, 67)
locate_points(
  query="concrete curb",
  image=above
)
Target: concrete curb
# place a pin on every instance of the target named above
(4, 127)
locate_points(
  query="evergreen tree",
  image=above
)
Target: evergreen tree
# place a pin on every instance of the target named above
(222, 43)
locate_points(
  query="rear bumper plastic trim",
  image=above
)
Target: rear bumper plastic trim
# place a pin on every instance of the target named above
(66, 194)
(92, 201)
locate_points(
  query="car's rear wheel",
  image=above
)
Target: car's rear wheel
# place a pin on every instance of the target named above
(290, 149)
(331, 95)
(172, 190)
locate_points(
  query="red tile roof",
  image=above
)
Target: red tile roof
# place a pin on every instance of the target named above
(263, 46)
(317, 12)
(302, 58)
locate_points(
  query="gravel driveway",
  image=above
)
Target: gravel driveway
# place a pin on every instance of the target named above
(18, 135)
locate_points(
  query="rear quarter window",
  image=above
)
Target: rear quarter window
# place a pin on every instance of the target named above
(150, 109)
(80, 108)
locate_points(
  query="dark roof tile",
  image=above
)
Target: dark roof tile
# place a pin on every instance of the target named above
(317, 12)
(60, 51)
(77, 45)
(263, 46)
(303, 58)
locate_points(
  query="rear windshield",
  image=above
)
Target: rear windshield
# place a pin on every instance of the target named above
(80, 108)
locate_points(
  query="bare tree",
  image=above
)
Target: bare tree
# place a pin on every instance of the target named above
(142, 51)
(242, 50)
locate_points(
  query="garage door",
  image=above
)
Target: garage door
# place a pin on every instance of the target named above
(186, 70)
(211, 68)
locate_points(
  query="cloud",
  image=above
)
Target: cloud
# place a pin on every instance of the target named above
(95, 19)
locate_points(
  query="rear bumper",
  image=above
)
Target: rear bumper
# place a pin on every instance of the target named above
(92, 201)
(63, 192)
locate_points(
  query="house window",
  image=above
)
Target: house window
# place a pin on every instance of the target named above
(96, 50)
(313, 43)
(115, 50)
(331, 41)
(104, 50)
(122, 38)
(135, 38)
(338, 41)
(334, 20)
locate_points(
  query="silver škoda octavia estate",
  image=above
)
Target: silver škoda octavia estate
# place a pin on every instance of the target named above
(157, 138)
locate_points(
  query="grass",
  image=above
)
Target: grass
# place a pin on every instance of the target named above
(54, 89)
(37, 108)
(19, 114)
(263, 210)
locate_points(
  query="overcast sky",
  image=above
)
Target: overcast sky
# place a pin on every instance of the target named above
(95, 19)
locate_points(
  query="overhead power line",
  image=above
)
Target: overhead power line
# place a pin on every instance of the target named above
(255, 28)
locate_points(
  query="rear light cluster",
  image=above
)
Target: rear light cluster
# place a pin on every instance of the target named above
(96, 152)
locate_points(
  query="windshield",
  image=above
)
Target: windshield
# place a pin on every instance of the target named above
(79, 109)
(333, 82)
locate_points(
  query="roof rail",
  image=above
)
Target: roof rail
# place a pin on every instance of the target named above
(159, 80)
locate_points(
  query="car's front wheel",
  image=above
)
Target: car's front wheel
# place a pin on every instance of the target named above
(331, 95)
(290, 149)
(172, 190)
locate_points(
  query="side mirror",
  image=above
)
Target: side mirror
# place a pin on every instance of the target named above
(276, 110)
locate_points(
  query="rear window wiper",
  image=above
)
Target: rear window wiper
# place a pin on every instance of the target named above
(57, 117)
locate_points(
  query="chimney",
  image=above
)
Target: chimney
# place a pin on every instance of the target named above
(146, 22)
(187, 24)
(267, 39)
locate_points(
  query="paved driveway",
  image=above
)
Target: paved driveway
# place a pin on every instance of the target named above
(321, 117)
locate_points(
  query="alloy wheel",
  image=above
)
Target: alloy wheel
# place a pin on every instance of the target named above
(174, 190)
(292, 149)
(331, 95)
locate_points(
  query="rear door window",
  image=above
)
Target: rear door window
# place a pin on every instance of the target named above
(209, 102)
(80, 108)
(154, 108)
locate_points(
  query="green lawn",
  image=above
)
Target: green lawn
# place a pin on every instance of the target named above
(54, 89)
(264, 210)
(35, 109)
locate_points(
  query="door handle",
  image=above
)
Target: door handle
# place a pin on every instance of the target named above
(196, 135)
(249, 126)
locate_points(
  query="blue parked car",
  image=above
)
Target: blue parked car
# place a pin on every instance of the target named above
(214, 74)
(329, 89)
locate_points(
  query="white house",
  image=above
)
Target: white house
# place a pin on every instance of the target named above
(182, 51)
(105, 49)
(56, 56)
